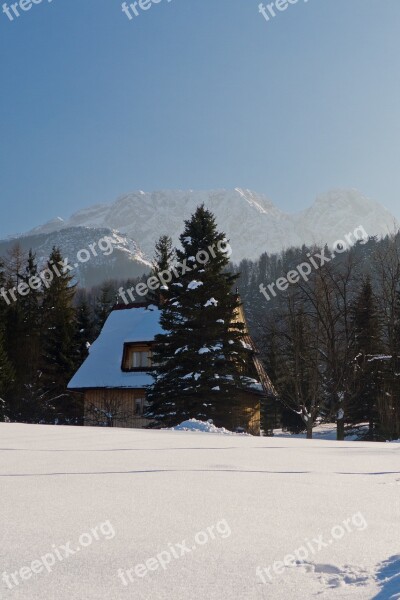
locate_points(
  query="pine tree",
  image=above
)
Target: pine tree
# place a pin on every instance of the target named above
(30, 344)
(104, 304)
(367, 377)
(200, 359)
(163, 260)
(31, 308)
(59, 351)
(6, 378)
(85, 333)
(6, 371)
(14, 330)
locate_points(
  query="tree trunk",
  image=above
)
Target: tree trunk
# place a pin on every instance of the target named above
(371, 430)
(309, 430)
(340, 430)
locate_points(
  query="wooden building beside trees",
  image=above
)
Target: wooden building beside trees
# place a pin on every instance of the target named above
(189, 355)
(118, 371)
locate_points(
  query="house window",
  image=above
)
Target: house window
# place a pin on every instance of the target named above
(139, 406)
(137, 357)
(140, 360)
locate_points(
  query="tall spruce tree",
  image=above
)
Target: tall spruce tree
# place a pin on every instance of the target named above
(6, 371)
(31, 343)
(200, 359)
(104, 304)
(59, 350)
(163, 259)
(85, 329)
(6, 379)
(367, 381)
(15, 329)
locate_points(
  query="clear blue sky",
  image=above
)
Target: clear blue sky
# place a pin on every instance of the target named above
(197, 94)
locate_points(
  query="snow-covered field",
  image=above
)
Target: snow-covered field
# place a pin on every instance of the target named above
(192, 515)
(327, 431)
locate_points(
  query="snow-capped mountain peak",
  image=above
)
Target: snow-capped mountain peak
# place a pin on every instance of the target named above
(251, 221)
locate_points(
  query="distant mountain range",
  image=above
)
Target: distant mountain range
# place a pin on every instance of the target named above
(251, 221)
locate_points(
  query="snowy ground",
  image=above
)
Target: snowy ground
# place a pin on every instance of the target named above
(326, 431)
(194, 514)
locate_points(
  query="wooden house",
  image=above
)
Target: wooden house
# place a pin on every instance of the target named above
(114, 377)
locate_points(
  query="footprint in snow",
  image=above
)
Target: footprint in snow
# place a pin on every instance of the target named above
(334, 577)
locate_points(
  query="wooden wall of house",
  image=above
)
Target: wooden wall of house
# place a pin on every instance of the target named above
(248, 415)
(124, 399)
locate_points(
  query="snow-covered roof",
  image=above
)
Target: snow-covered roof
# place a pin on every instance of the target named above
(102, 368)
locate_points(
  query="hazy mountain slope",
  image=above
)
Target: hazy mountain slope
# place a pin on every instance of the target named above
(125, 260)
(338, 212)
(145, 216)
(252, 223)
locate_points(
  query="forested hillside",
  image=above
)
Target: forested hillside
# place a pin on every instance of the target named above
(330, 341)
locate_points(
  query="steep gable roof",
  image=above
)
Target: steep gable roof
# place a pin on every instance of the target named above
(102, 368)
